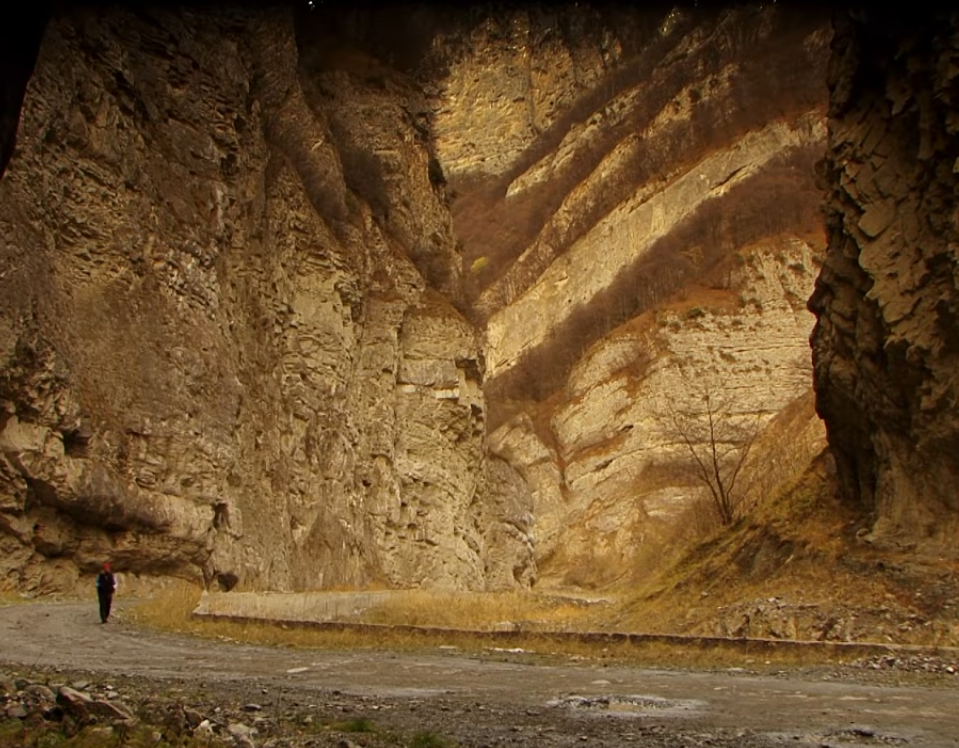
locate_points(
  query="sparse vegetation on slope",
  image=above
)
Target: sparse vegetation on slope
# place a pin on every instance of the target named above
(799, 567)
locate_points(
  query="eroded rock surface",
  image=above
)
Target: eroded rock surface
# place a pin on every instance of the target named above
(347, 299)
(220, 358)
(885, 345)
(680, 242)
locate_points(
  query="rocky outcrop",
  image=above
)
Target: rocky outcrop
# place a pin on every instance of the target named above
(298, 301)
(885, 344)
(620, 241)
(73, 709)
(609, 471)
(692, 84)
(223, 354)
(513, 77)
(663, 236)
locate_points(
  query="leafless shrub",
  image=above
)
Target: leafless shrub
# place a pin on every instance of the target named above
(717, 442)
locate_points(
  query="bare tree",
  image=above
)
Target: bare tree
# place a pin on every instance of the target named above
(718, 442)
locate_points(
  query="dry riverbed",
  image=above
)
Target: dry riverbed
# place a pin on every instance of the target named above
(236, 694)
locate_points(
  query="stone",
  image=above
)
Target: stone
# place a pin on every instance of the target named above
(242, 734)
(877, 218)
(248, 338)
(189, 487)
(16, 711)
(84, 706)
(204, 730)
(878, 407)
(40, 693)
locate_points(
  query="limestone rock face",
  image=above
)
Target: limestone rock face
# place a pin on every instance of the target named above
(512, 76)
(608, 471)
(618, 241)
(299, 301)
(885, 344)
(223, 353)
(680, 244)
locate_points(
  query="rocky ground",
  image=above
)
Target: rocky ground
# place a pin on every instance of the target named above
(63, 673)
(119, 707)
(238, 715)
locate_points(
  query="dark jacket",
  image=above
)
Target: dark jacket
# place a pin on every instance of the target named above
(106, 583)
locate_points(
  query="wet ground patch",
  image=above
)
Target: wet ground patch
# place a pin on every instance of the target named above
(631, 705)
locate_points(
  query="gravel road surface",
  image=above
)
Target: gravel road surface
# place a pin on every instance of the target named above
(498, 699)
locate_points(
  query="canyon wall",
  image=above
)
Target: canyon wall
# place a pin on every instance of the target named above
(301, 299)
(886, 341)
(652, 242)
(219, 358)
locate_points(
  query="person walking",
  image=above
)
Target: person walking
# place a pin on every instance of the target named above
(106, 586)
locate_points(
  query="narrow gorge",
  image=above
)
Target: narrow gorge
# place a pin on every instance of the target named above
(301, 297)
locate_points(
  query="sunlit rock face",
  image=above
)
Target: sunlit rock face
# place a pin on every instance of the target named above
(886, 344)
(225, 348)
(658, 234)
(395, 296)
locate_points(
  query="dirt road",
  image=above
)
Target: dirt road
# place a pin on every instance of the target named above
(499, 700)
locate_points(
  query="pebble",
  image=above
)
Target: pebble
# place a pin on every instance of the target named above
(909, 663)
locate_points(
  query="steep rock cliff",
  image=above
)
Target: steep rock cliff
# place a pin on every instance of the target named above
(885, 345)
(645, 225)
(395, 296)
(220, 356)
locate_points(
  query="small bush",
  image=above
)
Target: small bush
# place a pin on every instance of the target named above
(360, 724)
(429, 740)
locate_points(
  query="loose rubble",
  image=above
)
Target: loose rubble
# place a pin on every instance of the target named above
(912, 664)
(146, 712)
(222, 714)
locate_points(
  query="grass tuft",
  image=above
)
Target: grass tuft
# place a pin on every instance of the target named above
(430, 740)
(359, 724)
(485, 611)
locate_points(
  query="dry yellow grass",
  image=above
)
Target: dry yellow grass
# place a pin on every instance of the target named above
(12, 598)
(799, 546)
(523, 611)
(170, 610)
(728, 565)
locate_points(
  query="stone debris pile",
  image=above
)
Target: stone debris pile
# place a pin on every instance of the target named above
(100, 711)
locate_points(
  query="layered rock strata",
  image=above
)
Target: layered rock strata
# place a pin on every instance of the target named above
(220, 358)
(673, 239)
(886, 343)
(299, 301)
